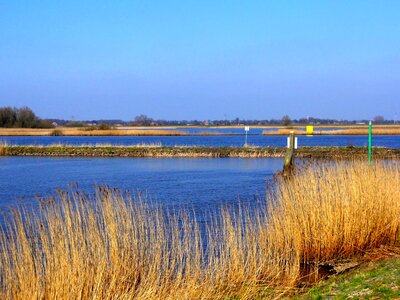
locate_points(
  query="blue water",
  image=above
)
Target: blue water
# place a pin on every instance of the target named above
(198, 183)
(391, 141)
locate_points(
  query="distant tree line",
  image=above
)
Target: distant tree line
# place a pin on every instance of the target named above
(21, 118)
(143, 120)
(25, 118)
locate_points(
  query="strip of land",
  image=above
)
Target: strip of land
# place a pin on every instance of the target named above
(339, 131)
(205, 131)
(66, 131)
(185, 151)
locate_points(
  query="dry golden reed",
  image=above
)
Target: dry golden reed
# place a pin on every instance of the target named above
(3, 148)
(337, 210)
(111, 246)
(344, 131)
(71, 131)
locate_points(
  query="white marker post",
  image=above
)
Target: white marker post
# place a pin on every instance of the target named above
(295, 142)
(246, 129)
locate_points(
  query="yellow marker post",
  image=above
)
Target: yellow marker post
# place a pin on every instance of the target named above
(309, 130)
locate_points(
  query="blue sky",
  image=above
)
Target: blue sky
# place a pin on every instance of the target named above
(201, 59)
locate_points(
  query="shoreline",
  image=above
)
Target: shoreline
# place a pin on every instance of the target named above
(205, 131)
(196, 152)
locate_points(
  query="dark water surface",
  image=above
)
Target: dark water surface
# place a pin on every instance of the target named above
(198, 183)
(390, 141)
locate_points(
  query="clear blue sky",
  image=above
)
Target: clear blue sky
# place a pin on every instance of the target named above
(201, 59)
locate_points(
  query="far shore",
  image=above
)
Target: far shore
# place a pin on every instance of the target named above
(204, 131)
(340, 131)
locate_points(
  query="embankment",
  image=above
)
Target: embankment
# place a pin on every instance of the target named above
(182, 151)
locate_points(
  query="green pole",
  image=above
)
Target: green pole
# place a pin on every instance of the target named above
(370, 142)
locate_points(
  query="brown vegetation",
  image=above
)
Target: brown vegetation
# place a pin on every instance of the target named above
(24, 117)
(157, 150)
(95, 131)
(3, 149)
(344, 131)
(77, 247)
(107, 130)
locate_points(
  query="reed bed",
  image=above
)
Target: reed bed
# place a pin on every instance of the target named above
(345, 131)
(110, 246)
(25, 131)
(118, 132)
(174, 131)
(67, 131)
(363, 131)
(337, 210)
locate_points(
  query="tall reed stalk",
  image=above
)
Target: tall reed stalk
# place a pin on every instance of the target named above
(111, 246)
(3, 148)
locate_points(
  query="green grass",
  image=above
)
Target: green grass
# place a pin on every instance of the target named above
(380, 280)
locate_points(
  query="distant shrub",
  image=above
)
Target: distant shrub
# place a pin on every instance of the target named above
(286, 121)
(74, 124)
(104, 126)
(56, 132)
(44, 124)
(89, 128)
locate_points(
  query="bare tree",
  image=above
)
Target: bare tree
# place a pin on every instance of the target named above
(8, 116)
(26, 118)
(379, 119)
(143, 120)
(286, 120)
(23, 117)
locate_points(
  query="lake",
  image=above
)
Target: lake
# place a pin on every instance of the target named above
(199, 183)
(391, 141)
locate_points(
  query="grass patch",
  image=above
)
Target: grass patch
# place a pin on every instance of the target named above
(157, 150)
(375, 280)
